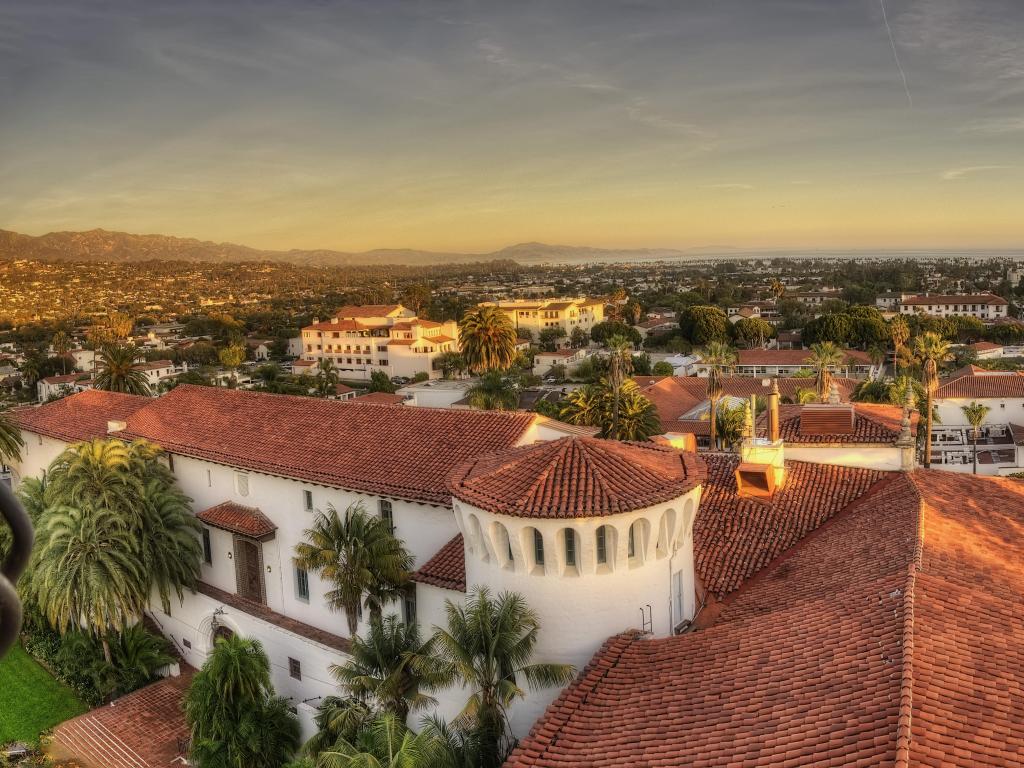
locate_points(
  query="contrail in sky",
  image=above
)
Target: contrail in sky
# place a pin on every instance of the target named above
(892, 42)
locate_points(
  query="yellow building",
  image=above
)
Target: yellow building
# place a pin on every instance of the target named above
(536, 315)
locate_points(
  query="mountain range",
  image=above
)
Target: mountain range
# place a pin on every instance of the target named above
(100, 245)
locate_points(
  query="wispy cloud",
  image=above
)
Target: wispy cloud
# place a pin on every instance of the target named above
(738, 186)
(954, 174)
(996, 125)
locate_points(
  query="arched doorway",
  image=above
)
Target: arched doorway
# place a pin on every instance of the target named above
(222, 632)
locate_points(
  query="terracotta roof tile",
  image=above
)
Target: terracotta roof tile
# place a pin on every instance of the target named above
(934, 299)
(983, 385)
(872, 423)
(78, 417)
(576, 477)
(446, 569)
(791, 356)
(380, 398)
(735, 537)
(247, 521)
(399, 452)
(366, 310)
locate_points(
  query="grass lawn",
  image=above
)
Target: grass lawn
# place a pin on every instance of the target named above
(31, 700)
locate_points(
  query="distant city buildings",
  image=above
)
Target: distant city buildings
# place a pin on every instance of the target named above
(361, 339)
(564, 314)
(984, 306)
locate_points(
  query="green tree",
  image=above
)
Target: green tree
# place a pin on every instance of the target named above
(11, 441)
(386, 742)
(635, 417)
(601, 332)
(583, 406)
(931, 351)
(835, 328)
(326, 378)
(117, 371)
(61, 347)
(337, 718)
(729, 423)
(824, 358)
(548, 337)
(578, 338)
(487, 647)
(494, 391)
(663, 368)
(379, 382)
(899, 332)
(449, 363)
(235, 719)
(390, 668)
(719, 359)
(704, 324)
(975, 414)
(487, 339)
(620, 366)
(357, 554)
(753, 332)
(232, 357)
(88, 574)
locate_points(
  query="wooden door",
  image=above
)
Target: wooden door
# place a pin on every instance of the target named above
(248, 570)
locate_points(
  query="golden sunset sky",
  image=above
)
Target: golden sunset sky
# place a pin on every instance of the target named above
(474, 125)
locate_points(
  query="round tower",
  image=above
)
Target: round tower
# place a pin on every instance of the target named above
(596, 535)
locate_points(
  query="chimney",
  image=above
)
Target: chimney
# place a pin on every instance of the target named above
(773, 412)
(116, 426)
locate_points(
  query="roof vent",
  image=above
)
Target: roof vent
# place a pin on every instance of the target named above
(755, 481)
(827, 419)
(116, 426)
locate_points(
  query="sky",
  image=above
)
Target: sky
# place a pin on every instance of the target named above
(468, 126)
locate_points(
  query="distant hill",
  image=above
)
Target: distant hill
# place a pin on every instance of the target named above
(101, 245)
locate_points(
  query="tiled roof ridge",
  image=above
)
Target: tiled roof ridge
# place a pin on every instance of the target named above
(904, 732)
(544, 732)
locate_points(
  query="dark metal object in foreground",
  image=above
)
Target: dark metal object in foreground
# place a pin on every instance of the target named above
(12, 567)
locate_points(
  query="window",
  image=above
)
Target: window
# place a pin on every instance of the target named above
(242, 483)
(170, 462)
(602, 545)
(209, 479)
(301, 584)
(632, 541)
(387, 514)
(409, 605)
(538, 547)
(207, 548)
(570, 547)
(294, 668)
(307, 500)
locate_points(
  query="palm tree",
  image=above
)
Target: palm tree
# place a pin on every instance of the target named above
(632, 416)
(487, 647)
(494, 391)
(88, 574)
(824, 356)
(117, 371)
(11, 441)
(169, 534)
(357, 554)
(975, 414)
(389, 668)
(620, 365)
(337, 718)
(385, 743)
(582, 406)
(326, 377)
(731, 420)
(234, 716)
(899, 331)
(718, 358)
(61, 347)
(449, 362)
(930, 350)
(487, 339)
(98, 474)
(803, 396)
(138, 655)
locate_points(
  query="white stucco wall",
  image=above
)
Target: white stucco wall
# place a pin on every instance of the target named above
(884, 457)
(579, 608)
(1004, 410)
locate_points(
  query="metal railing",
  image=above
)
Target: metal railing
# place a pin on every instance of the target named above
(12, 567)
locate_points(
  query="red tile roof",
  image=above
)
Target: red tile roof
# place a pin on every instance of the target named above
(155, 365)
(399, 452)
(982, 385)
(576, 477)
(446, 569)
(340, 325)
(791, 356)
(78, 417)
(890, 637)
(872, 424)
(247, 521)
(735, 537)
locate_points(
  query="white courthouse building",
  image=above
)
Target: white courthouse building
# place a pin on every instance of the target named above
(539, 315)
(361, 339)
(984, 306)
